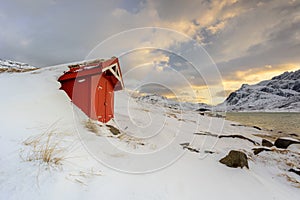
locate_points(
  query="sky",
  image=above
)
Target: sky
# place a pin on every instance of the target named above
(199, 49)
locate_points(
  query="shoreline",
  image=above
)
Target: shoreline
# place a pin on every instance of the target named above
(273, 133)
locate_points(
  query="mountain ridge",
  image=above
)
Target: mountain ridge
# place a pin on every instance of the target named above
(280, 93)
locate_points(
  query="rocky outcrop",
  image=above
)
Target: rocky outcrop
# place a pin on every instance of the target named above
(283, 143)
(266, 143)
(235, 159)
(256, 151)
(228, 136)
(295, 171)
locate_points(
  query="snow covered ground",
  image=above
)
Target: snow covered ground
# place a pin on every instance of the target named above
(145, 161)
(13, 66)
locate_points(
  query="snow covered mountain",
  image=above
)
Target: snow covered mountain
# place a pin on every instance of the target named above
(163, 101)
(13, 66)
(281, 93)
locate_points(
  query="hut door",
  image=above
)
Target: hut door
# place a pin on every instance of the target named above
(101, 99)
(109, 98)
(105, 100)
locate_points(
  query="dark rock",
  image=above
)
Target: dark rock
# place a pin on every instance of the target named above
(185, 144)
(295, 171)
(256, 127)
(240, 137)
(113, 130)
(191, 149)
(231, 99)
(283, 143)
(296, 87)
(207, 133)
(235, 159)
(236, 125)
(227, 136)
(208, 151)
(203, 109)
(266, 143)
(256, 151)
(293, 134)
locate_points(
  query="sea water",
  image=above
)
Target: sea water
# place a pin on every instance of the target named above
(285, 122)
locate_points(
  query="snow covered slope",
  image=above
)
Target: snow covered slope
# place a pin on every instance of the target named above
(13, 66)
(82, 159)
(281, 93)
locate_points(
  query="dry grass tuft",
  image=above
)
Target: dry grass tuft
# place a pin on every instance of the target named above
(172, 115)
(292, 180)
(16, 70)
(91, 126)
(44, 148)
(82, 177)
(130, 140)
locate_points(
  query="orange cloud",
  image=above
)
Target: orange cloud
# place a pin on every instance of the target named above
(213, 19)
(204, 94)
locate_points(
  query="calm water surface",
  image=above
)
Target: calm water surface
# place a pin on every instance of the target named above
(285, 122)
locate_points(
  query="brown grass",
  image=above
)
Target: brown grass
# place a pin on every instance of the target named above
(292, 180)
(16, 70)
(130, 140)
(44, 148)
(91, 126)
(83, 177)
(172, 115)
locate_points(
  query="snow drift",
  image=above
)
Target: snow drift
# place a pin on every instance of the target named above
(102, 163)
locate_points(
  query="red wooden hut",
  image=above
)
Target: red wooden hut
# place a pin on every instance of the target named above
(91, 87)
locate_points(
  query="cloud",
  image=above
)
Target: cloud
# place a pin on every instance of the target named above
(254, 75)
(223, 93)
(68, 30)
(264, 34)
(242, 37)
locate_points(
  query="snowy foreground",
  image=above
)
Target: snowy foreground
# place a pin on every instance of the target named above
(146, 161)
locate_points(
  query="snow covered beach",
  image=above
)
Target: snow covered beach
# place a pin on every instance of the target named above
(96, 163)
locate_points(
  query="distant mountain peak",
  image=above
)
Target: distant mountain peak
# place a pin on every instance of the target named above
(171, 103)
(288, 75)
(281, 93)
(14, 66)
